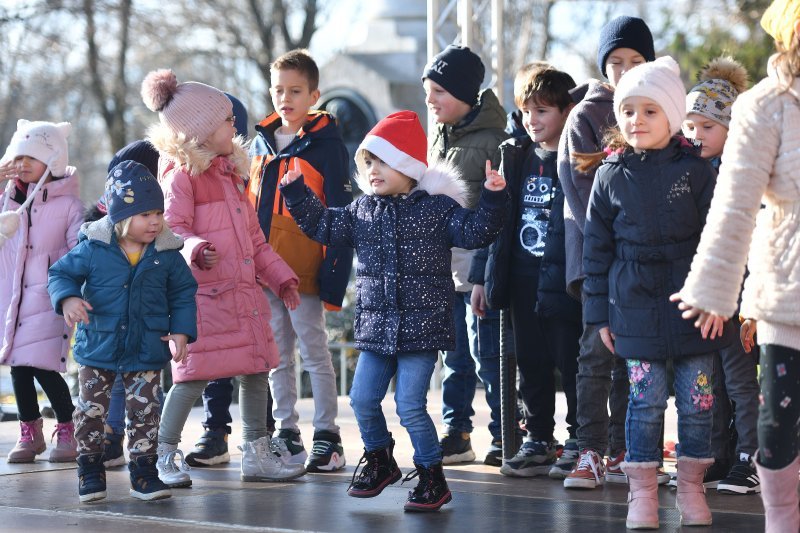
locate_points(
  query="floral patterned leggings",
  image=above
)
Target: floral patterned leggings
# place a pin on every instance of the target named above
(141, 402)
(779, 406)
(694, 399)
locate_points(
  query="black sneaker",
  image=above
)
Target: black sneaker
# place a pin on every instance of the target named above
(379, 471)
(327, 453)
(431, 491)
(456, 448)
(715, 473)
(211, 449)
(494, 457)
(742, 479)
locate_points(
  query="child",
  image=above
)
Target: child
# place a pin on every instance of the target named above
(737, 229)
(647, 208)
(708, 108)
(402, 229)
(295, 133)
(129, 291)
(201, 167)
(602, 378)
(42, 195)
(528, 258)
(469, 129)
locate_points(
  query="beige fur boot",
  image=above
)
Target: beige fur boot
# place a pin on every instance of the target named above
(642, 495)
(691, 498)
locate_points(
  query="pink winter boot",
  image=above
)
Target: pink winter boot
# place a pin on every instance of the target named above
(779, 494)
(691, 498)
(30, 444)
(642, 495)
(66, 449)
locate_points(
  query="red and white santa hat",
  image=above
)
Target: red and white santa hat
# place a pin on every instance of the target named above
(400, 142)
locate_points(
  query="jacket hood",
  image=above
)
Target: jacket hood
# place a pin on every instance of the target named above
(181, 151)
(487, 114)
(103, 231)
(677, 146)
(441, 177)
(319, 125)
(598, 91)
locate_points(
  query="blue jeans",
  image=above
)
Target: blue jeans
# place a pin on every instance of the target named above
(116, 406)
(694, 399)
(412, 372)
(477, 355)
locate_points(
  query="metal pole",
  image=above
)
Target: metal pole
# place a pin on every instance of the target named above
(508, 388)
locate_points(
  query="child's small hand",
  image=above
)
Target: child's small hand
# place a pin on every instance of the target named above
(711, 325)
(478, 301)
(8, 171)
(177, 346)
(75, 310)
(292, 174)
(608, 338)
(290, 297)
(210, 256)
(747, 334)
(494, 181)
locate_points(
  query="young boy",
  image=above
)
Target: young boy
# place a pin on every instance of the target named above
(625, 42)
(526, 274)
(470, 128)
(295, 132)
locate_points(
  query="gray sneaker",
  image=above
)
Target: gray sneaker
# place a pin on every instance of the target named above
(569, 458)
(260, 463)
(534, 458)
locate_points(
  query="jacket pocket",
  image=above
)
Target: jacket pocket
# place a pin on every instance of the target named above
(217, 312)
(98, 340)
(633, 321)
(154, 350)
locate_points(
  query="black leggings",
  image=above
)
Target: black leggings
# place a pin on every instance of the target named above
(779, 410)
(52, 384)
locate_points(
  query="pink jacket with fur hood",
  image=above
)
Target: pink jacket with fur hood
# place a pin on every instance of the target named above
(205, 204)
(33, 334)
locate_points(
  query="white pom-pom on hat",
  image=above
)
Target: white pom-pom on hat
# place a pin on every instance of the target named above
(158, 88)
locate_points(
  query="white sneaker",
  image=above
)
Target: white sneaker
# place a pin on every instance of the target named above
(168, 472)
(261, 463)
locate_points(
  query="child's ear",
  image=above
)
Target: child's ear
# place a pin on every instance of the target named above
(315, 96)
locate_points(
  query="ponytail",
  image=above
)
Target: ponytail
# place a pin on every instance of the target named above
(613, 141)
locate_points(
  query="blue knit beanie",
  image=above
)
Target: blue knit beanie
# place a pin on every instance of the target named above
(459, 71)
(625, 32)
(140, 151)
(131, 189)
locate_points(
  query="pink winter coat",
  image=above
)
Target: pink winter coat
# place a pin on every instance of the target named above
(33, 334)
(205, 203)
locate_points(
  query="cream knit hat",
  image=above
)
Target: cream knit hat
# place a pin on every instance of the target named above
(659, 81)
(191, 108)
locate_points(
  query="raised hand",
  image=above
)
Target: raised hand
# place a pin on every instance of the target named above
(293, 173)
(494, 181)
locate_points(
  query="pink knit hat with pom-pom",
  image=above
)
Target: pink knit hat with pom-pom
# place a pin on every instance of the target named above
(192, 108)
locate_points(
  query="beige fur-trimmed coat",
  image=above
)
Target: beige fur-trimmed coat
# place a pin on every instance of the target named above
(760, 164)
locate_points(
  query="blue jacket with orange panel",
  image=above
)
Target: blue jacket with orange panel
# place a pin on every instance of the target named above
(324, 162)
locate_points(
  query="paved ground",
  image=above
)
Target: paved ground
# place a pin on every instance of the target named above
(43, 497)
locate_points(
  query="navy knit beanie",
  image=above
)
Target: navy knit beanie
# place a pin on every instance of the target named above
(240, 114)
(131, 189)
(625, 32)
(459, 71)
(140, 151)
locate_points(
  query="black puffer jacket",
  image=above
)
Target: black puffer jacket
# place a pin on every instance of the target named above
(646, 213)
(404, 287)
(493, 269)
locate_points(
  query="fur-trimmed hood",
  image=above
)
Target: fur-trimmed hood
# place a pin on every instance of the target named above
(441, 177)
(177, 150)
(102, 231)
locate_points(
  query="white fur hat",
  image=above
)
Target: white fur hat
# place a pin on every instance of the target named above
(660, 81)
(44, 141)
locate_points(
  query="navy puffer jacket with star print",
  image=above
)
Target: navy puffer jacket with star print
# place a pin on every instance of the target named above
(404, 285)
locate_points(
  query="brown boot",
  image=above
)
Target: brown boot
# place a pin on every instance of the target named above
(66, 449)
(691, 498)
(642, 495)
(30, 444)
(779, 493)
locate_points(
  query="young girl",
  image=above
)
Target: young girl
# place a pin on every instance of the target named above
(42, 200)
(402, 230)
(737, 229)
(708, 117)
(129, 291)
(647, 208)
(201, 168)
